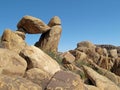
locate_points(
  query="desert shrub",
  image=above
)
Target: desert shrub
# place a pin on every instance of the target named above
(55, 57)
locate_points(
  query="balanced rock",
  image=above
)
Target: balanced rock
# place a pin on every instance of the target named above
(11, 63)
(36, 58)
(17, 83)
(32, 25)
(13, 40)
(54, 21)
(49, 40)
(64, 80)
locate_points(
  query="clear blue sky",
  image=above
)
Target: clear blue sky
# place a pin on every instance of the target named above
(97, 21)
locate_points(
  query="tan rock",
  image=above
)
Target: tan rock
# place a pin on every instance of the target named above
(114, 78)
(38, 76)
(13, 40)
(36, 58)
(100, 81)
(32, 25)
(113, 53)
(67, 58)
(86, 44)
(91, 87)
(11, 63)
(54, 21)
(63, 80)
(17, 83)
(49, 41)
(79, 55)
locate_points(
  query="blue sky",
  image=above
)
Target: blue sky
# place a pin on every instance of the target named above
(97, 21)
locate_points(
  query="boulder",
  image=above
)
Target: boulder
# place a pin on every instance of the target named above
(36, 58)
(114, 78)
(13, 40)
(17, 83)
(100, 81)
(38, 76)
(32, 25)
(78, 55)
(54, 21)
(113, 53)
(49, 41)
(67, 58)
(86, 44)
(11, 63)
(63, 80)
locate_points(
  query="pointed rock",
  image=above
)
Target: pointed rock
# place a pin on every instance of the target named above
(54, 21)
(49, 41)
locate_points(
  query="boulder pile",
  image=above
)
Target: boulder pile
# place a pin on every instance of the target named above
(24, 67)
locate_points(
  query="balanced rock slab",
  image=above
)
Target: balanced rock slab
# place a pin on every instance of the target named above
(32, 25)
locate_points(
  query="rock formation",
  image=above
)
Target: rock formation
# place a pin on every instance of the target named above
(13, 40)
(32, 25)
(49, 40)
(24, 67)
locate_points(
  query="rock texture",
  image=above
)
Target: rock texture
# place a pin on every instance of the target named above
(38, 76)
(11, 63)
(49, 40)
(13, 40)
(65, 81)
(32, 25)
(36, 58)
(17, 83)
(100, 81)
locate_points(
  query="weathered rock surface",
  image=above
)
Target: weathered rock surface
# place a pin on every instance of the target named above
(32, 25)
(113, 53)
(67, 58)
(17, 83)
(54, 21)
(13, 40)
(91, 87)
(100, 81)
(63, 80)
(36, 58)
(38, 76)
(11, 63)
(49, 40)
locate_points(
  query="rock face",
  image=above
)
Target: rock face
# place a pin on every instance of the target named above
(38, 76)
(49, 40)
(65, 81)
(11, 63)
(36, 58)
(17, 83)
(100, 81)
(32, 25)
(13, 40)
